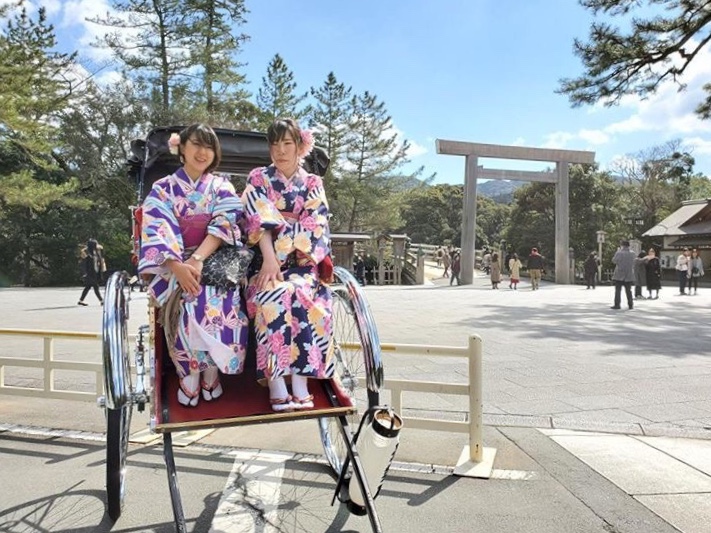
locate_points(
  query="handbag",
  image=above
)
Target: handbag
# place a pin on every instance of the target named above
(227, 267)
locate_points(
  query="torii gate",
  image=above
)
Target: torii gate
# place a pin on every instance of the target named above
(561, 158)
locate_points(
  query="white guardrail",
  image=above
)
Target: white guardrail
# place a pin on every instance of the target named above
(475, 461)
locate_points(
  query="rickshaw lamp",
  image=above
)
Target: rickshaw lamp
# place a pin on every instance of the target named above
(376, 445)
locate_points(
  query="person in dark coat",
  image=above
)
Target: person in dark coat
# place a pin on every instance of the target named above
(640, 275)
(92, 266)
(653, 272)
(456, 267)
(359, 269)
(624, 273)
(591, 267)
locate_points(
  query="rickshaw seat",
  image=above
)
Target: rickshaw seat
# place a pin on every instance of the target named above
(244, 400)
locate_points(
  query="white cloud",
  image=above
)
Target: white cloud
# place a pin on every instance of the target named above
(559, 139)
(593, 136)
(518, 141)
(415, 149)
(698, 145)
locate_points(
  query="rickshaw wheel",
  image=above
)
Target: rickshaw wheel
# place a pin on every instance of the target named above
(358, 366)
(117, 435)
(117, 385)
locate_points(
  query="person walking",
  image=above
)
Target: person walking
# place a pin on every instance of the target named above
(623, 275)
(682, 270)
(92, 266)
(591, 267)
(515, 269)
(495, 271)
(447, 262)
(535, 268)
(653, 273)
(456, 267)
(696, 270)
(640, 275)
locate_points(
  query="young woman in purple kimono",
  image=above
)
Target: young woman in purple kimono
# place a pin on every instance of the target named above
(186, 217)
(287, 220)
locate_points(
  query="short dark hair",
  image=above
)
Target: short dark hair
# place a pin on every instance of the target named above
(203, 135)
(281, 127)
(624, 243)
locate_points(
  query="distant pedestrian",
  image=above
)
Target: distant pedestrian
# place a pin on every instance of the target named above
(439, 252)
(495, 271)
(654, 273)
(447, 262)
(682, 270)
(696, 270)
(359, 269)
(535, 268)
(591, 267)
(486, 261)
(640, 275)
(92, 267)
(515, 269)
(456, 267)
(624, 273)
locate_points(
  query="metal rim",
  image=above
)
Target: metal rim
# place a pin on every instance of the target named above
(358, 362)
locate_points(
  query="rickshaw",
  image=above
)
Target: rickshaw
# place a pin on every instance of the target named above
(340, 404)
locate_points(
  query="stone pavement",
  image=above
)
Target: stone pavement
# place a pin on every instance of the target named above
(579, 400)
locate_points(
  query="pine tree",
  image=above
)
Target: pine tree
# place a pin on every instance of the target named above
(330, 119)
(277, 96)
(208, 34)
(37, 193)
(370, 175)
(148, 44)
(656, 48)
(36, 81)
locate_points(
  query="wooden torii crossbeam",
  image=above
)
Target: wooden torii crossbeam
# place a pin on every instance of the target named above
(561, 158)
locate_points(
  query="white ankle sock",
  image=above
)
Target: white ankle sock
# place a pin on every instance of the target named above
(299, 386)
(209, 375)
(277, 389)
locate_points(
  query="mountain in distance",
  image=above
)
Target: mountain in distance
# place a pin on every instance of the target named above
(501, 191)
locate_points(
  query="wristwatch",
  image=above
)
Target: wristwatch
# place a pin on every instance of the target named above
(197, 257)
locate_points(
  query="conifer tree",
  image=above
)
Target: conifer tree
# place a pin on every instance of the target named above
(329, 117)
(34, 186)
(371, 175)
(147, 42)
(656, 45)
(208, 32)
(277, 96)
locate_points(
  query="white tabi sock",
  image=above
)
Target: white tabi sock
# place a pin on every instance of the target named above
(299, 385)
(277, 389)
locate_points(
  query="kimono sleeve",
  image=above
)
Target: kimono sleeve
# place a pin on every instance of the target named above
(160, 232)
(312, 237)
(260, 212)
(226, 212)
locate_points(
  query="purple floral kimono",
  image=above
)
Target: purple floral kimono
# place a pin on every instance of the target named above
(293, 320)
(177, 215)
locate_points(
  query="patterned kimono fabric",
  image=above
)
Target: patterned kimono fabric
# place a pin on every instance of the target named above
(177, 215)
(292, 320)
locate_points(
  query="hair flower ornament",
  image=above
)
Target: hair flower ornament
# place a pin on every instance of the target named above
(174, 143)
(307, 143)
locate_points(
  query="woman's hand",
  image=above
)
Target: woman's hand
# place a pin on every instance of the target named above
(269, 275)
(188, 275)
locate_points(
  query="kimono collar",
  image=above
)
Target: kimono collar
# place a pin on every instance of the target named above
(297, 178)
(187, 184)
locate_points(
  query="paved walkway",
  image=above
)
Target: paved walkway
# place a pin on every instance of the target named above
(590, 409)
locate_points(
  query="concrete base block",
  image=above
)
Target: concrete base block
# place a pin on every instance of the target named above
(467, 468)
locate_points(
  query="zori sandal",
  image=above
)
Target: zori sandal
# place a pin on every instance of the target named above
(282, 405)
(307, 402)
(213, 391)
(187, 397)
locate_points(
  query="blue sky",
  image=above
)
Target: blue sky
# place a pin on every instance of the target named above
(481, 71)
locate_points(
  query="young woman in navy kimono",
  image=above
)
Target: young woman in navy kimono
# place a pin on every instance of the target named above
(287, 222)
